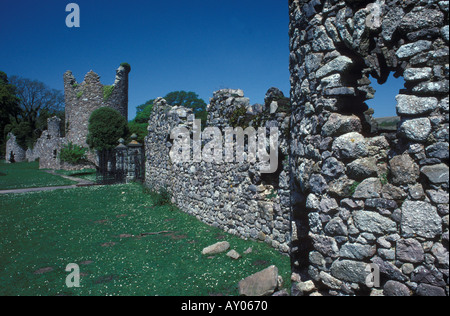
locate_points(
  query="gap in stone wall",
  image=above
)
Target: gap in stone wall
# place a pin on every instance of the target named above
(273, 178)
(384, 101)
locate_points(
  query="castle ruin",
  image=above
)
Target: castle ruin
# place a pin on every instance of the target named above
(14, 152)
(81, 99)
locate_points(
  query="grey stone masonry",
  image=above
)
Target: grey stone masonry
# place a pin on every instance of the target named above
(367, 197)
(235, 196)
(14, 152)
(49, 145)
(130, 160)
(81, 99)
(84, 98)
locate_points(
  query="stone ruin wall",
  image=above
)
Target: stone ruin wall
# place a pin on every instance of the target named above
(359, 197)
(14, 152)
(82, 99)
(232, 196)
(48, 146)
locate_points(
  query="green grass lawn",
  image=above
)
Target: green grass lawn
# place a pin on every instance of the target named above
(87, 174)
(99, 228)
(27, 175)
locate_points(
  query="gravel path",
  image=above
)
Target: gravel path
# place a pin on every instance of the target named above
(81, 183)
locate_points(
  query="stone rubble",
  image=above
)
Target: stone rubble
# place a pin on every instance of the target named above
(263, 283)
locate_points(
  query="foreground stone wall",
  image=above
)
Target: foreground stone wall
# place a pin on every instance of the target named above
(362, 197)
(232, 196)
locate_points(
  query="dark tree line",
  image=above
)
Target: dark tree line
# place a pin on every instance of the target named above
(25, 106)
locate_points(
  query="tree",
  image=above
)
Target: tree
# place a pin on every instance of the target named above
(140, 129)
(22, 131)
(9, 102)
(143, 112)
(191, 100)
(106, 127)
(176, 98)
(186, 99)
(139, 125)
(34, 104)
(25, 106)
(9, 107)
(35, 97)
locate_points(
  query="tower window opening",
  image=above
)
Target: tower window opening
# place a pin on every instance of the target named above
(384, 103)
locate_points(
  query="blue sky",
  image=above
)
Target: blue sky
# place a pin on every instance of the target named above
(384, 102)
(195, 45)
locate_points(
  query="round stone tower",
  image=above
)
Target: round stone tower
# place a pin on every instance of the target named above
(372, 211)
(84, 98)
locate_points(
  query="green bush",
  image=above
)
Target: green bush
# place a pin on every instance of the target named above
(161, 197)
(164, 197)
(73, 154)
(143, 112)
(106, 127)
(140, 129)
